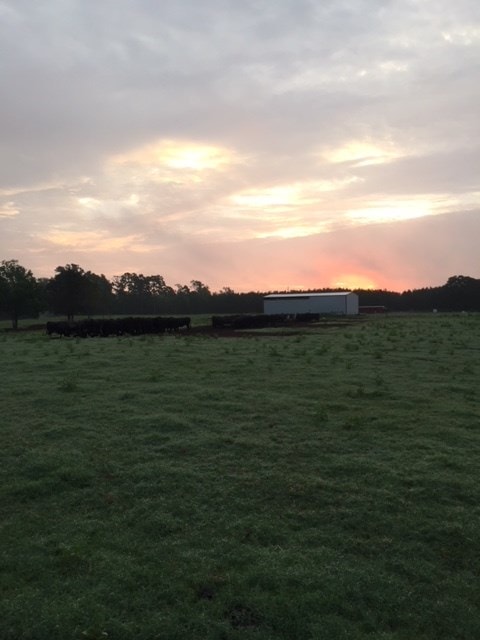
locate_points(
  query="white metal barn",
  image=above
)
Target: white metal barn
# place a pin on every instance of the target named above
(338, 302)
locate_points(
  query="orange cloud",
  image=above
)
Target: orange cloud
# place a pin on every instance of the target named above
(364, 153)
(93, 240)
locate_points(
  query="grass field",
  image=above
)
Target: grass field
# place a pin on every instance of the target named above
(311, 486)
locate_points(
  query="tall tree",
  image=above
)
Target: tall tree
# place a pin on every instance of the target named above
(98, 293)
(200, 297)
(69, 291)
(136, 293)
(19, 291)
(461, 293)
(200, 288)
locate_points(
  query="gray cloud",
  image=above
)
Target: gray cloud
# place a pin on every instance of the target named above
(278, 86)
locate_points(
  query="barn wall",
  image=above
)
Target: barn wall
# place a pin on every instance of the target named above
(328, 304)
(347, 304)
(352, 304)
(287, 305)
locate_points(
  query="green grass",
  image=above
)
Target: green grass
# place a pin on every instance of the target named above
(322, 485)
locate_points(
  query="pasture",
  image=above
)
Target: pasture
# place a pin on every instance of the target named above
(318, 484)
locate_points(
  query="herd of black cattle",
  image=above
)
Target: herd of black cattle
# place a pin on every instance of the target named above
(92, 328)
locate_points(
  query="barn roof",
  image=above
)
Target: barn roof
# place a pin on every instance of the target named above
(274, 296)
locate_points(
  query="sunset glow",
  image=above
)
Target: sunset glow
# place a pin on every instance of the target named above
(293, 232)
(274, 197)
(176, 155)
(362, 154)
(354, 281)
(385, 212)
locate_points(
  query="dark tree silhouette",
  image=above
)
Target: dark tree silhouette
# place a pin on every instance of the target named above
(136, 293)
(99, 296)
(69, 291)
(73, 291)
(19, 291)
(462, 293)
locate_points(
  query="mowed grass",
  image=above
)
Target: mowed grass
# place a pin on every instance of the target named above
(321, 485)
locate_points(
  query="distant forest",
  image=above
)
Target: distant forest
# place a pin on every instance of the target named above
(72, 291)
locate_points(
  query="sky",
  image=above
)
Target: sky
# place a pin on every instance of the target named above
(253, 144)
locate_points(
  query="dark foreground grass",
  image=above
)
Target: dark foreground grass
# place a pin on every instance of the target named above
(310, 486)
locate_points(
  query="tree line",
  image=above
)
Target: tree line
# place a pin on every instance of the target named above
(72, 291)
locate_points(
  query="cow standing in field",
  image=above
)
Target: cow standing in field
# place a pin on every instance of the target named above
(59, 328)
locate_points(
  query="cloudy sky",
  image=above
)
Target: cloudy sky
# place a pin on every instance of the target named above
(256, 144)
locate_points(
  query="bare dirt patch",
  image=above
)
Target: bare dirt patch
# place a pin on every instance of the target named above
(275, 332)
